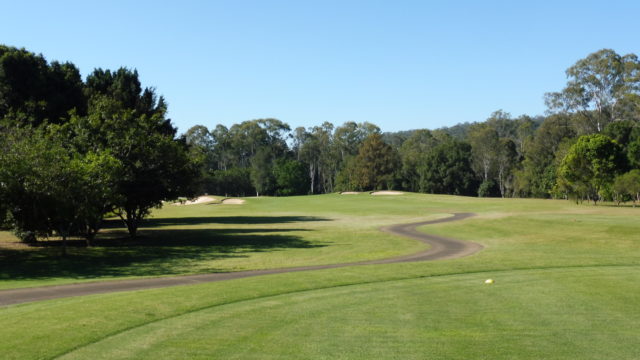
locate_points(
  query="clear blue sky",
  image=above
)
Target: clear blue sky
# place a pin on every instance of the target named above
(399, 64)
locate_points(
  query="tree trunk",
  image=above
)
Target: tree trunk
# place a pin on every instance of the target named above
(131, 221)
(133, 230)
(312, 175)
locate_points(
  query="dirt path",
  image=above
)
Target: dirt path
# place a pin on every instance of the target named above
(441, 248)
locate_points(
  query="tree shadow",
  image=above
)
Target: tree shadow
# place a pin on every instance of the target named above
(229, 220)
(155, 252)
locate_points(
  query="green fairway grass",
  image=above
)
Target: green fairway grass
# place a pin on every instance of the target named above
(590, 313)
(566, 285)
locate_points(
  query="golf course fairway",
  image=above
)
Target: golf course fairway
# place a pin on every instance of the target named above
(566, 284)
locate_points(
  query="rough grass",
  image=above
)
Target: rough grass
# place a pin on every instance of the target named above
(566, 287)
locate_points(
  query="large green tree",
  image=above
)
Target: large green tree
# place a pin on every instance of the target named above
(50, 187)
(590, 166)
(131, 123)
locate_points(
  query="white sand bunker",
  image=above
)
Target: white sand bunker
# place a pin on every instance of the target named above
(349, 193)
(233, 201)
(199, 200)
(387, 192)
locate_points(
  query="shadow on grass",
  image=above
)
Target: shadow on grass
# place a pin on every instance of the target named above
(229, 220)
(156, 251)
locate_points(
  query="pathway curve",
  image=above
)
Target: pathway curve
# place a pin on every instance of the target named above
(441, 248)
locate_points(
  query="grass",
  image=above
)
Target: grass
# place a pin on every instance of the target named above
(566, 287)
(264, 233)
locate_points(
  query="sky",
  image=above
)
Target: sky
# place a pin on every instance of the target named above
(399, 64)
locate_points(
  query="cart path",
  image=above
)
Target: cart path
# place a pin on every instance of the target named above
(441, 248)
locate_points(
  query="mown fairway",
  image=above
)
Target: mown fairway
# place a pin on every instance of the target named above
(567, 285)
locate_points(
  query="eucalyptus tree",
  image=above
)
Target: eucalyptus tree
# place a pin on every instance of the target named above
(506, 161)
(222, 144)
(316, 153)
(484, 142)
(602, 88)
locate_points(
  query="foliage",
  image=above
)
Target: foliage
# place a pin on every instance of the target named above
(49, 187)
(33, 91)
(537, 176)
(598, 89)
(627, 186)
(235, 181)
(261, 175)
(446, 169)
(590, 165)
(290, 177)
(375, 164)
(484, 140)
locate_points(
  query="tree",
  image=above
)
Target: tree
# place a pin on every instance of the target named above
(412, 153)
(290, 177)
(261, 171)
(201, 150)
(506, 160)
(598, 87)
(235, 181)
(131, 123)
(590, 165)
(49, 187)
(30, 165)
(446, 169)
(316, 153)
(628, 185)
(484, 142)
(537, 177)
(33, 91)
(375, 164)
(524, 133)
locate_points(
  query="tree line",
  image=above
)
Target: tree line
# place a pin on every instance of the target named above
(587, 147)
(74, 150)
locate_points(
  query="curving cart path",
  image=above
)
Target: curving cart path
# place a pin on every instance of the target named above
(441, 248)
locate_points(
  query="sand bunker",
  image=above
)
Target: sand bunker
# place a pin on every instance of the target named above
(199, 200)
(349, 193)
(233, 201)
(387, 193)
